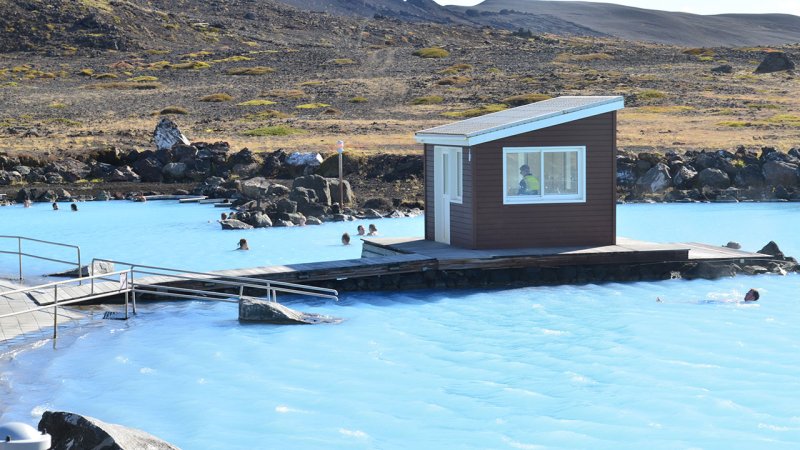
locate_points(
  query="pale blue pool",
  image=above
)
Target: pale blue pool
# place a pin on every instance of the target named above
(591, 366)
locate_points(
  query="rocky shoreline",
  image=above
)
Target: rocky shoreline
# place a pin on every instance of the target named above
(288, 189)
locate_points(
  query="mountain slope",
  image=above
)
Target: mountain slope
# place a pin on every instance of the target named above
(639, 24)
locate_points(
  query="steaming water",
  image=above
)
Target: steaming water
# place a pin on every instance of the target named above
(590, 366)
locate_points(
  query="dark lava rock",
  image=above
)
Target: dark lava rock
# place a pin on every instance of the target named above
(780, 173)
(69, 169)
(775, 62)
(149, 169)
(772, 249)
(685, 178)
(257, 310)
(725, 68)
(713, 178)
(749, 176)
(233, 224)
(318, 184)
(72, 431)
(378, 203)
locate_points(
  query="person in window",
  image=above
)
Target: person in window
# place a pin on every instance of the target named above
(529, 184)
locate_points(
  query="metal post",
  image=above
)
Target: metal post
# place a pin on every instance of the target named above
(19, 252)
(126, 305)
(133, 291)
(80, 271)
(241, 291)
(340, 149)
(55, 311)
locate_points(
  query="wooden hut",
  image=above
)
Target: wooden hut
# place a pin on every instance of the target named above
(540, 175)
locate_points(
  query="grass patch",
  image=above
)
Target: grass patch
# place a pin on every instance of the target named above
(651, 94)
(65, 121)
(785, 119)
(258, 70)
(190, 65)
(124, 85)
(265, 115)
(666, 109)
(143, 79)
(432, 52)
(284, 93)
(524, 99)
(702, 51)
(86, 72)
(9, 84)
(57, 105)
(278, 130)
(358, 100)
(475, 112)
(312, 106)
(428, 100)
(216, 98)
(342, 61)
(258, 102)
(734, 123)
(569, 57)
(157, 52)
(311, 83)
(173, 110)
(237, 58)
(454, 81)
(105, 76)
(763, 106)
(456, 68)
(196, 55)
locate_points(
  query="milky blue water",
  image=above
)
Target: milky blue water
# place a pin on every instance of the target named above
(591, 366)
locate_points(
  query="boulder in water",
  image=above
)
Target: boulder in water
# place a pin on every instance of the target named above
(73, 431)
(263, 311)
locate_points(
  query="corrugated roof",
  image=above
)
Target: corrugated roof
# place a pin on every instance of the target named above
(526, 114)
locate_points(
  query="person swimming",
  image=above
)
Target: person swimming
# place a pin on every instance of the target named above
(243, 245)
(345, 239)
(361, 231)
(752, 296)
(373, 230)
(73, 207)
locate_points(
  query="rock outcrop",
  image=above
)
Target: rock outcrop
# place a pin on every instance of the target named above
(257, 310)
(775, 62)
(167, 134)
(71, 431)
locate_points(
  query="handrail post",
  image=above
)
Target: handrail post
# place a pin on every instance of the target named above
(80, 270)
(55, 311)
(19, 253)
(126, 305)
(241, 291)
(133, 291)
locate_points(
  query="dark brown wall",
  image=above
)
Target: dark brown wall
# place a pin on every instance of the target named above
(547, 225)
(430, 216)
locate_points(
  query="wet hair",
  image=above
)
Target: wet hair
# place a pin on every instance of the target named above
(372, 227)
(755, 294)
(73, 207)
(345, 239)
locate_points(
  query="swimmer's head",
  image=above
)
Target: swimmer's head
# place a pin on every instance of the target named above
(751, 296)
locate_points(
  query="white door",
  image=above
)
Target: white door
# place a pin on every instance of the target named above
(441, 193)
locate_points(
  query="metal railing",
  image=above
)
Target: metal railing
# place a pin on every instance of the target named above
(224, 281)
(20, 253)
(56, 303)
(126, 283)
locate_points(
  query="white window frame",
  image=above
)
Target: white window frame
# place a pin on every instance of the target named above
(541, 198)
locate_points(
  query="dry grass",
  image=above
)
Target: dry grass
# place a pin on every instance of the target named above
(428, 100)
(284, 93)
(216, 98)
(124, 85)
(173, 110)
(432, 52)
(258, 102)
(258, 70)
(475, 112)
(588, 57)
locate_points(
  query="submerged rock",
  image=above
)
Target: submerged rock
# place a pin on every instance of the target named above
(233, 224)
(71, 431)
(257, 310)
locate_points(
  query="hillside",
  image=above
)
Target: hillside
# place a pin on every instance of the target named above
(638, 24)
(263, 75)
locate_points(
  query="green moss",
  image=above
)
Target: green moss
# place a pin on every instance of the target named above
(158, 65)
(456, 68)
(157, 52)
(142, 79)
(57, 105)
(427, 100)
(258, 102)
(312, 106)
(273, 131)
(258, 70)
(665, 109)
(343, 61)
(651, 94)
(734, 123)
(105, 76)
(524, 99)
(237, 58)
(124, 85)
(358, 100)
(792, 120)
(454, 81)
(475, 112)
(432, 52)
(216, 98)
(191, 65)
(197, 55)
(86, 72)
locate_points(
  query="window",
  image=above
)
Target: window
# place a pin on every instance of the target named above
(544, 175)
